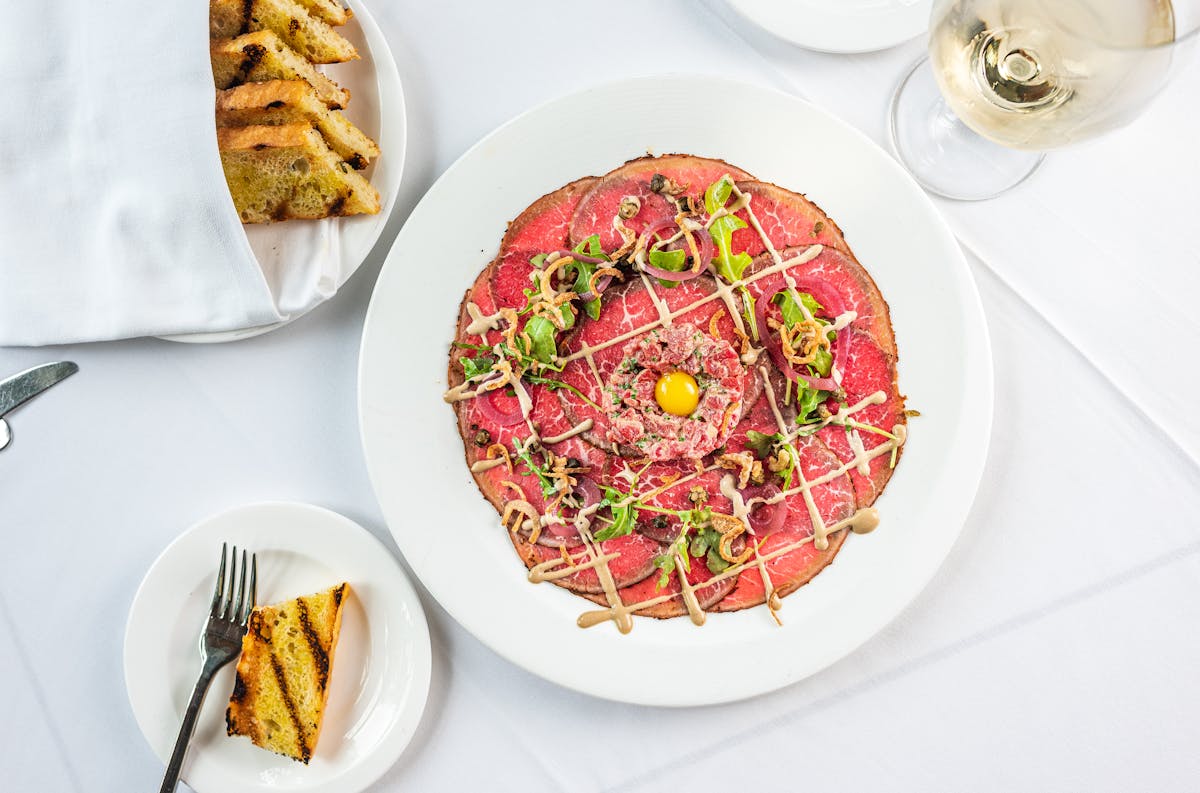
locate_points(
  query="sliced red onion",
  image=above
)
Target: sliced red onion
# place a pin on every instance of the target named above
(649, 233)
(489, 408)
(781, 362)
(561, 529)
(765, 518)
(671, 275)
(708, 250)
(586, 491)
(831, 301)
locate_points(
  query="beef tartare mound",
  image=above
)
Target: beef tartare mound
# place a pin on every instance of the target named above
(640, 423)
(678, 388)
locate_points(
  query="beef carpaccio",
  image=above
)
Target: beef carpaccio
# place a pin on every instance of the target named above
(677, 386)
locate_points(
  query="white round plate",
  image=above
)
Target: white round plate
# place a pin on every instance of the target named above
(839, 25)
(415, 456)
(380, 674)
(377, 107)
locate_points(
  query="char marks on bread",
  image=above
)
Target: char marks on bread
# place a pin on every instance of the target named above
(286, 151)
(282, 681)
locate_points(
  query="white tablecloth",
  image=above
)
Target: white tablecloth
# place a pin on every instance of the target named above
(1055, 650)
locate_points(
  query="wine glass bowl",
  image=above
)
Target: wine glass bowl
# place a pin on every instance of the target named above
(1007, 80)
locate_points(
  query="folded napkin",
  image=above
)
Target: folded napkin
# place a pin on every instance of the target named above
(115, 220)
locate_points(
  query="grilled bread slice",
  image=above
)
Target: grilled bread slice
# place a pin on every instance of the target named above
(289, 20)
(288, 101)
(288, 171)
(331, 12)
(282, 681)
(259, 56)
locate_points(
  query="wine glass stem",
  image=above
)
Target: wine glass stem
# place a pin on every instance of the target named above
(942, 152)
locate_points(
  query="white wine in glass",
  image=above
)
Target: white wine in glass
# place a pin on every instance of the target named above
(1008, 79)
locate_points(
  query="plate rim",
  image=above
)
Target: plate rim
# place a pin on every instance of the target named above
(420, 637)
(973, 463)
(389, 84)
(847, 35)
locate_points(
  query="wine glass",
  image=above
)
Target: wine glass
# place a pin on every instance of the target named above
(1006, 80)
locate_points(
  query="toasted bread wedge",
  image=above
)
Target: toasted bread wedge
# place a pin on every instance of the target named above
(259, 56)
(282, 682)
(286, 102)
(288, 171)
(331, 12)
(289, 20)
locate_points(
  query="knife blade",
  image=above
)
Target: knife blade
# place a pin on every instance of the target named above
(24, 386)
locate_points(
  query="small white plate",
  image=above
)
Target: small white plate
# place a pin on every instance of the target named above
(839, 25)
(415, 456)
(381, 670)
(377, 107)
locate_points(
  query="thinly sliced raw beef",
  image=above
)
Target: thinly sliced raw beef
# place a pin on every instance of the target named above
(541, 228)
(628, 307)
(635, 561)
(472, 418)
(549, 419)
(648, 589)
(838, 282)
(787, 218)
(598, 208)
(658, 480)
(868, 370)
(865, 354)
(834, 501)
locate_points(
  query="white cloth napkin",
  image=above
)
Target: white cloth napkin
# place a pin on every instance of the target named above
(115, 220)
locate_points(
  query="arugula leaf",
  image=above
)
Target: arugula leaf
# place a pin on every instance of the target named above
(549, 486)
(762, 444)
(541, 333)
(591, 247)
(584, 271)
(823, 362)
(748, 312)
(479, 365)
(624, 517)
(729, 266)
(583, 278)
(808, 399)
(665, 561)
(705, 544)
(717, 194)
(539, 260)
(554, 385)
(671, 261)
(791, 310)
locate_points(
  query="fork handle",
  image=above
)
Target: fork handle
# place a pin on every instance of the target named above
(187, 728)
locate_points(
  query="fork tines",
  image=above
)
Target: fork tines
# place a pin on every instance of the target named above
(227, 608)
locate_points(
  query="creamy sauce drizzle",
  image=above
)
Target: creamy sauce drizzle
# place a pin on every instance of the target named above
(578, 429)
(481, 323)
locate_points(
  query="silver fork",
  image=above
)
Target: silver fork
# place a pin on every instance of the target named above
(220, 643)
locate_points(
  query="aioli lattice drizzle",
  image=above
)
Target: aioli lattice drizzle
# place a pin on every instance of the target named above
(590, 557)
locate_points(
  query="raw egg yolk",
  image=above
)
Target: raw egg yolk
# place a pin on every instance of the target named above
(677, 393)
